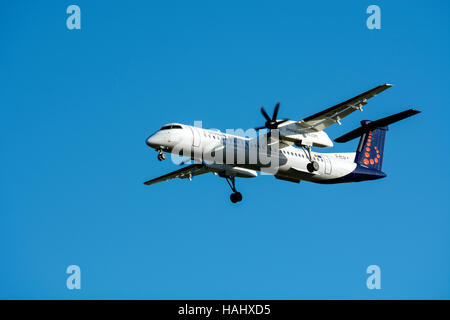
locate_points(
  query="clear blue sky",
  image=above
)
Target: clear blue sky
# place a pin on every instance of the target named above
(77, 106)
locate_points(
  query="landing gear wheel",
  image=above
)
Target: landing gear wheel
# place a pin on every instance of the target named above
(312, 166)
(161, 156)
(236, 197)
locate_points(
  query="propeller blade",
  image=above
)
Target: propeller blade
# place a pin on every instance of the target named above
(264, 113)
(259, 128)
(275, 112)
(281, 121)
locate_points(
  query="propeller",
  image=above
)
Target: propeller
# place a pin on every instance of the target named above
(271, 123)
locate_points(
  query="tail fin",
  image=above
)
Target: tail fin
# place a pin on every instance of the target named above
(371, 147)
(373, 133)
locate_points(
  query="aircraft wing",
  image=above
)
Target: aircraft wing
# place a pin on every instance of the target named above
(327, 117)
(183, 173)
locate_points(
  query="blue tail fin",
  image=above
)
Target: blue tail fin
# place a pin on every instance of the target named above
(371, 147)
(369, 155)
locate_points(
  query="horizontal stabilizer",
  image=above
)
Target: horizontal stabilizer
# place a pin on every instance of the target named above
(376, 124)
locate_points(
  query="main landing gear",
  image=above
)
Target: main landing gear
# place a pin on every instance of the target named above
(161, 155)
(235, 196)
(312, 165)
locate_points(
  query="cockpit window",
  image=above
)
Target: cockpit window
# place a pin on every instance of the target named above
(172, 126)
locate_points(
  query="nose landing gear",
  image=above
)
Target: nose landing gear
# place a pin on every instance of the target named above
(161, 155)
(235, 196)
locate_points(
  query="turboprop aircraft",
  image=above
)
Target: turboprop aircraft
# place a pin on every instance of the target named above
(284, 151)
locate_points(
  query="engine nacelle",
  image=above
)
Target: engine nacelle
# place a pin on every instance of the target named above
(318, 139)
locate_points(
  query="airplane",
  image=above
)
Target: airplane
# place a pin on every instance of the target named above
(284, 151)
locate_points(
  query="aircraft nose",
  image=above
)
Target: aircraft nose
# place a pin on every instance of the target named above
(152, 141)
(160, 140)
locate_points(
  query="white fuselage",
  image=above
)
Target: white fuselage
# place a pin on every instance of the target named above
(290, 162)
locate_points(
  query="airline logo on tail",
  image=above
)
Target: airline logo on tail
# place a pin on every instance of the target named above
(371, 154)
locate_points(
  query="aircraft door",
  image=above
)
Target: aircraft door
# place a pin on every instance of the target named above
(327, 164)
(195, 137)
